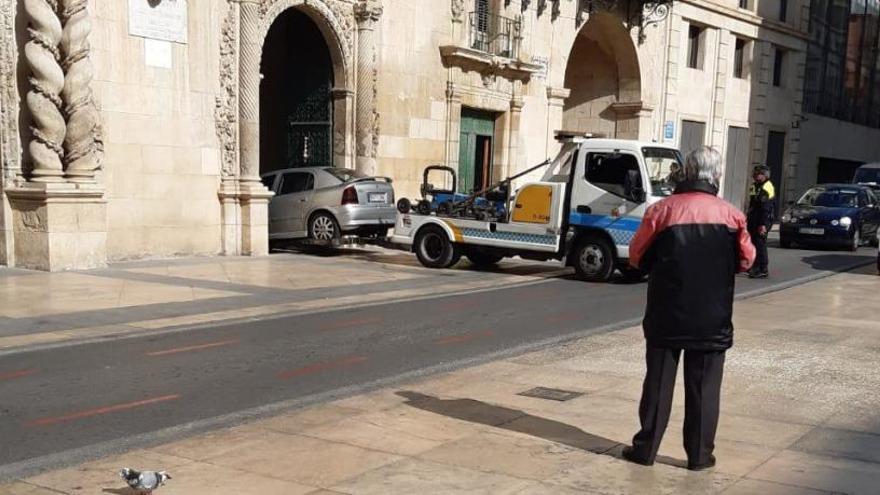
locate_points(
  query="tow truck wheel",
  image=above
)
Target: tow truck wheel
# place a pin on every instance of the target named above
(594, 260)
(481, 259)
(434, 249)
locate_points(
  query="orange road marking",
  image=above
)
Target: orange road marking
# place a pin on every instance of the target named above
(99, 411)
(199, 347)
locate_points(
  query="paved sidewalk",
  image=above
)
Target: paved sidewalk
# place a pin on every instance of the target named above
(800, 415)
(144, 296)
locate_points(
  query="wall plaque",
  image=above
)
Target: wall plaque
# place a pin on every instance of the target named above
(158, 19)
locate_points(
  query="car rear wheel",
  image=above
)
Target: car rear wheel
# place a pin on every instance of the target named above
(434, 249)
(323, 227)
(594, 259)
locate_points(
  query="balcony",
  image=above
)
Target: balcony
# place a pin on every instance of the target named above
(494, 34)
(492, 48)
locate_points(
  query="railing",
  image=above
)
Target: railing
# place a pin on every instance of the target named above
(495, 35)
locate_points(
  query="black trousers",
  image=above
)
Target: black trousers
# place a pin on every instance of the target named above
(702, 386)
(761, 259)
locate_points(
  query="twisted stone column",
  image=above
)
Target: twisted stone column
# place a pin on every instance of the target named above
(43, 99)
(83, 143)
(249, 91)
(367, 14)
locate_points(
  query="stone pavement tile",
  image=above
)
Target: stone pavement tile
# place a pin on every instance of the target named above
(379, 400)
(201, 477)
(805, 410)
(821, 472)
(413, 476)
(327, 492)
(304, 460)
(216, 443)
(566, 379)
(21, 488)
(734, 458)
(422, 423)
(363, 433)
(774, 434)
(548, 489)
(611, 476)
(93, 477)
(841, 443)
(312, 417)
(861, 414)
(520, 456)
(755, 487)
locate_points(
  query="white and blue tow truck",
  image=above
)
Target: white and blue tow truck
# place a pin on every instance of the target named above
(584, 211)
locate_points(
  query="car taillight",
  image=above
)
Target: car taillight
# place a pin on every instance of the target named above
(349, 196)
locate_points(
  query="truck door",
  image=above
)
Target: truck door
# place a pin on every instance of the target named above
(608, 192)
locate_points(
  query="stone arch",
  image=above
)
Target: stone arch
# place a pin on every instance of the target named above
(336, 25)
(604, 77)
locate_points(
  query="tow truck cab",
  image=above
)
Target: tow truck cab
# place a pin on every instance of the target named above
(611, 182)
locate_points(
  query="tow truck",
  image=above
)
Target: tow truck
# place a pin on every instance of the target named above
(583, 212)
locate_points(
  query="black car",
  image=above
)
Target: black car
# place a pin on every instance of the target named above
(833, 214)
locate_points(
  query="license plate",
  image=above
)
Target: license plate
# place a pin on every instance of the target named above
(377, 197)
(812, 231)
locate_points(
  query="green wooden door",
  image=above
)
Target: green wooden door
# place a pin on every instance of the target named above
(474, 165)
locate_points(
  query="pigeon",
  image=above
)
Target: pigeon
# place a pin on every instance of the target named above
(144, 481)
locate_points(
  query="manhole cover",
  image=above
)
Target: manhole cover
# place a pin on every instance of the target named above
(551, 394)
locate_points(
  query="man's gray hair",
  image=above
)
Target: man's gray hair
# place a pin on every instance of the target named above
(704, 163)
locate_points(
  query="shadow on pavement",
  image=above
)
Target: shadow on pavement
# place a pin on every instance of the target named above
(479, 412)
(837, 262)
(121, 491)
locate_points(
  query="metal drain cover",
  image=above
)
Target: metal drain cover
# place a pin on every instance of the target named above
(551, 394)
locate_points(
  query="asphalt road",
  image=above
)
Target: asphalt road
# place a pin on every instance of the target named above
(98, 397)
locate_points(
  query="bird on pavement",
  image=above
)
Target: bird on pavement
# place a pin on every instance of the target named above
(144, 481)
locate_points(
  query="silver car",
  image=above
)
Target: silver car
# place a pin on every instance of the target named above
(324, 203)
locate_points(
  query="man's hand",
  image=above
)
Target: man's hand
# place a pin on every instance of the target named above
(762, 230)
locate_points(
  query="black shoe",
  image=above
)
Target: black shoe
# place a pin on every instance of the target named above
(630, 455)
(759, 274)
(699, 467)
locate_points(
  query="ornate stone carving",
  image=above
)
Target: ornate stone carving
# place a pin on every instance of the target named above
(83, 143)
(226, 103)
(10, 151)
(367, 11)
(457, 9)
(44, 97)
(338, 13)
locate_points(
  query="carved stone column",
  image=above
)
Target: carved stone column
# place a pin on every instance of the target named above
(44, 97)
(555, 109)
(367, 14)
(83, 144)
(253, 195)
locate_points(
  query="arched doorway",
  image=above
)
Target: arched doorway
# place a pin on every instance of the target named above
(296, 95)
(603, 76)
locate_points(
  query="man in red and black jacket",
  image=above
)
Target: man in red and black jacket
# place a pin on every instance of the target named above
(693, 244)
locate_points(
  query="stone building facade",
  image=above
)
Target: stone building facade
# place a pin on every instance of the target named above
(120, 142)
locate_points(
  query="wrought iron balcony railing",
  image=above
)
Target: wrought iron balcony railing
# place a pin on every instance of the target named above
(495, 35)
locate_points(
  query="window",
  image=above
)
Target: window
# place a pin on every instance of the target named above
(744, 4)
(617, 173)
(294, 182)
(268, 181)
(695, 48)
(863, 200)
(783, 10)
(778, 63)
(739, 56)
(842, 73)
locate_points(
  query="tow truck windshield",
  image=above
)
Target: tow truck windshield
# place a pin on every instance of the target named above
(663, 166)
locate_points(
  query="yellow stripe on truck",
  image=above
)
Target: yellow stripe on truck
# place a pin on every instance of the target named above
(456, 233)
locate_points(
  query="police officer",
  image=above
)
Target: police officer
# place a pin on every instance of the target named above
(760, 217)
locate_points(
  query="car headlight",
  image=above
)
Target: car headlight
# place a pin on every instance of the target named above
(786, 218)
(834, 222)
(846, 221)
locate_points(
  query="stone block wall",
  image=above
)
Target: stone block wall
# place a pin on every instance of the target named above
(162, 159)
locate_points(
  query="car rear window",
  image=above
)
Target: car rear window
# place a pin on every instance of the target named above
(345, 174)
